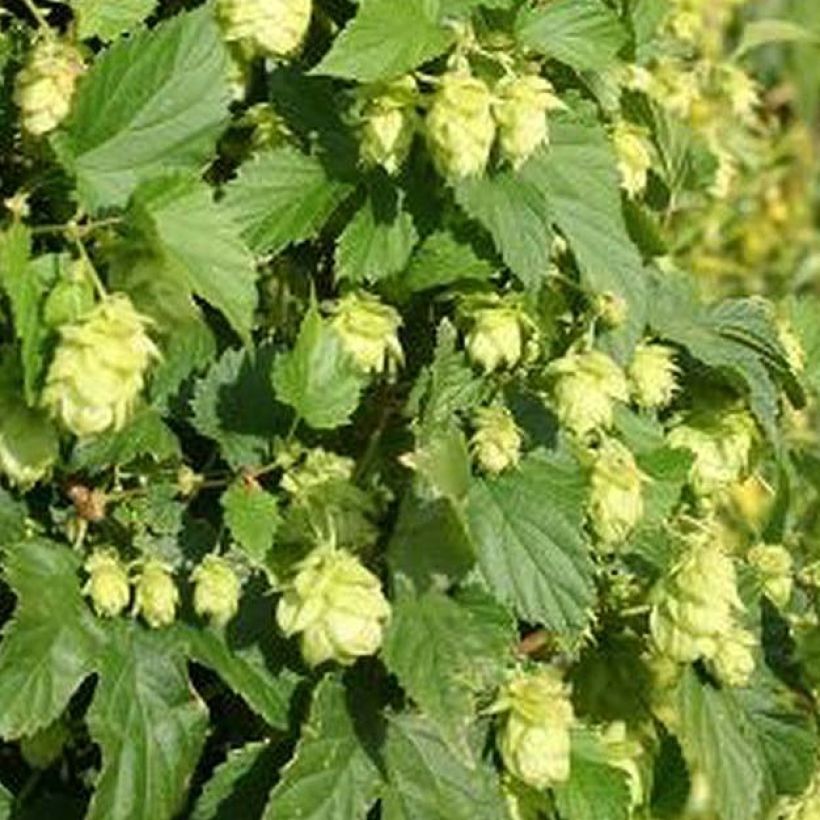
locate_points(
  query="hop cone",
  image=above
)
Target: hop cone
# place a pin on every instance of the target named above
(496, 443)
(216, 589)
(273, 28)
(460, 126)
(653, 375)
(99, 368)
(107, 584)
(369, 332)
(389, 123)
(45, 86)
(157, 596)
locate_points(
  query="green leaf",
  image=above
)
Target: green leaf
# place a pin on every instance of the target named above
(445, 652)
(427, 782)
(201, 248)
(715, 740)
(239, 786)
(281, 197)
(51, 644)
(584, 34)
(252, 515)
(149, 724)
(531, 553)
(463, 8)
(516, 214)
(579, 177)
(332, 775)
(247, 655)
(595, 790)
(386, 39)
(318, 379)
(762, 32)
(145, 435)
(444, 258)
(152, 104)
(106, 19)
(6, 803)
(234, 405)
(378, 241)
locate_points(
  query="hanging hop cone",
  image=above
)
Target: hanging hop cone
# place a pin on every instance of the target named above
(653, 375)
(634, 153)
(216, 590)
(369, 331)
(268, 28)
(616, 496)
(585, 389)
(98, 370)
(774, 566)
(520, 111)
(496, 337)
(157, 596)
(496, 443)
(460, 127)
(107, 585)
(29, 445)
(389, 123)
(534, 740)
(722, 444)
(45, 86)
(337, 605)
(695, 614)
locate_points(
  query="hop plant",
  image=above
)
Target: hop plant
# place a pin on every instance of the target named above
(520, 110)
(389, 123)
(337, 605)
(45, 86)
(653, 375)
(107, 585)
(695, 614)
(634, 154)
(585, 389)
(98, 370)
(29, 445)
(496, 443)
(216, 589)
(534, 740)
(722, 444)
(496, 338)
(157, 596)
(459, 126)
(271, 28)
(369, 332)
(774, 566)
(616, 496)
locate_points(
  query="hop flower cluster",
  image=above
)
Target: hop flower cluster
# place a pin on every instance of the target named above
(616, 496)
(337, 605)
(534, 740)
(634, 154)
(98, 370)
(270, 28)
(696, 614)
(108, 585)
(586, 387)
(45, 86)
(653, 375)
(497, 336)
(318, 467)
(774, 566)
(722, 444)
(389, 122)
(156, 597)
(369, 332)
(496, 443)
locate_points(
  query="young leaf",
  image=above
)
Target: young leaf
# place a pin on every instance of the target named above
(442, 259)
(584, 34)
(427, 782)
(386, 39)
(51, 644)
(149, 724)
(533, 554)
(252, 515)
(281, 197)
(106, 20)
(200, 247)
(318, 379)
(516, 214)
(151, 104)
(332, 774)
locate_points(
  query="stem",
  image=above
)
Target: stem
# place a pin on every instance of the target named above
(90, 269)
(37, 14)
